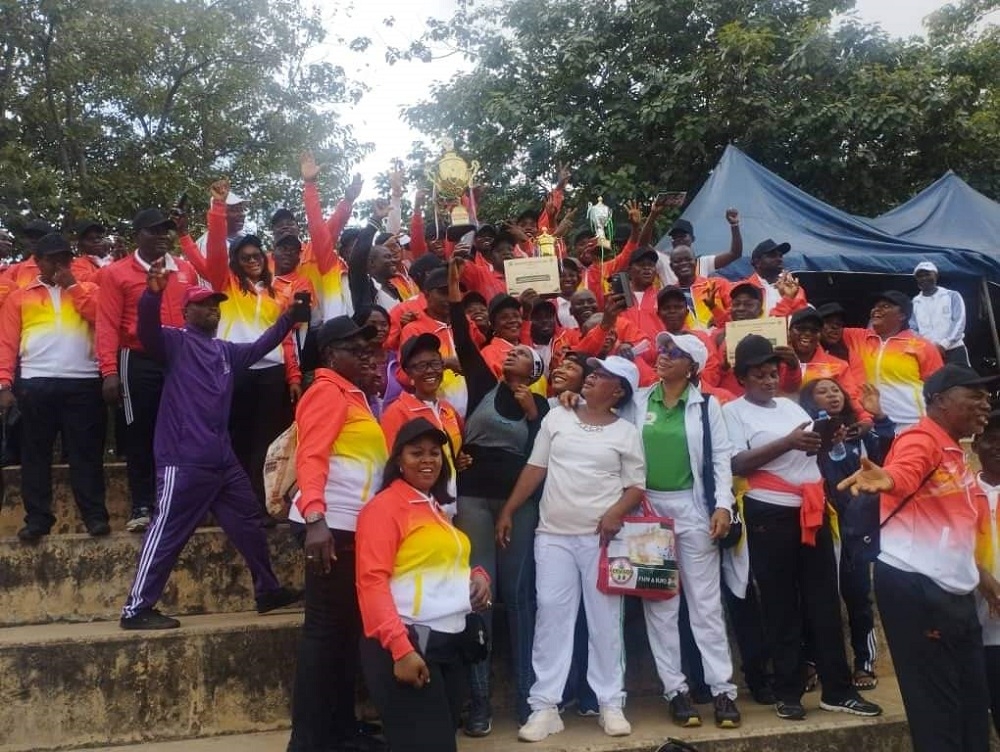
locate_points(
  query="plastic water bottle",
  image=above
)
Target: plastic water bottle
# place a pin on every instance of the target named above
(838, 451)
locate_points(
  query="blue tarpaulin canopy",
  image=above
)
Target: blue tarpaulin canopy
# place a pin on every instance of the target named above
(949, 212)
(823, 238)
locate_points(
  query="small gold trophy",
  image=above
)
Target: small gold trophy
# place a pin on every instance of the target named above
(452, 178)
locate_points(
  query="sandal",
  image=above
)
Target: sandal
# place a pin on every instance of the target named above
(812, 678)
(864, 680)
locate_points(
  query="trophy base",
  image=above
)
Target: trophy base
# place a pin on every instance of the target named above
(460, 216)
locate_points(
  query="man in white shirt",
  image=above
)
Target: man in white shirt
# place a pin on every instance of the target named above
(939, 315)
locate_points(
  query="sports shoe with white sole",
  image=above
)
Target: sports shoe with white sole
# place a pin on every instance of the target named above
(853, 705)
(613, 721)
(541, 723)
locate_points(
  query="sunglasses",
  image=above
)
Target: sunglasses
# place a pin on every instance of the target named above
(673, 353)
(251, 257)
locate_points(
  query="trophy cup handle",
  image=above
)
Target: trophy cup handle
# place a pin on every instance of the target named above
(473, 171)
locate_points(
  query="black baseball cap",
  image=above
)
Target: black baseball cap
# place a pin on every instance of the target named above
(425, 342)
(830, 309)
(151, 218)
(806, 314)
(455, 232)
(37, 228)
(280, 215)
(340, 328)
(572, 263)
(747, 287)
(436, 279)
(681, 227)
(52, 245)
(897, 298)
(86, 225)
(752, 350)
(423, 266)
(433, 232)
(641, 254)
(670, 291)
(767, 246)
(502, 301)
(290, 240)
(474, 297)
(583, 235)
(417, 429)
(952, 375)
(487, 229)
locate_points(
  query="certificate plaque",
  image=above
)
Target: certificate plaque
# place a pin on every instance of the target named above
(773, 328)
(540, 274)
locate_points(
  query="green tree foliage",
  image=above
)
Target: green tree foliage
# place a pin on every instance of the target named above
(642, 96)
(107, 106)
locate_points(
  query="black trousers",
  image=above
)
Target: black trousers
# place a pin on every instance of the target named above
(142, 384)
(798, 585)
(416, 720)
(993, 681)
(261, 411)
(325, 678)
(957, 355)
(937, 648)
(75, 408)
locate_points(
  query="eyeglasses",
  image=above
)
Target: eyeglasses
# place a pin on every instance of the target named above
(426, 366)
(358, 351)
(673, 353)
(248, 259)
(807, 329)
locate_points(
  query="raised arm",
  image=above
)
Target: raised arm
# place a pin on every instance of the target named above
(735, 242)
(479, 378)
(148, 326)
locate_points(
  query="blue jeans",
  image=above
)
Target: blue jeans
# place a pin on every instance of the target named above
(512, 572)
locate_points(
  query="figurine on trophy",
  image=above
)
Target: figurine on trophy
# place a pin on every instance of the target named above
(452, 180)
(599, 216)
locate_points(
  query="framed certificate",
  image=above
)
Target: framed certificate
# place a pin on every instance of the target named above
(773, 328)
(539, 274)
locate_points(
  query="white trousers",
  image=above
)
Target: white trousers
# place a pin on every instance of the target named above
(698, 558)
(565, 570)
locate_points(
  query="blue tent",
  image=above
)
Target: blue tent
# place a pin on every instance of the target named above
(823, 238)
(949, 212)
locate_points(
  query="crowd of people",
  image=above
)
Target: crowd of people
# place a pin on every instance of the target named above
(457, 444)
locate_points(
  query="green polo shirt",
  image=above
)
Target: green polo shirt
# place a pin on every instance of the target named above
(664, 438)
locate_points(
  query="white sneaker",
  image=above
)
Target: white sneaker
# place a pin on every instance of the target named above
(613, 721)
(540, 724)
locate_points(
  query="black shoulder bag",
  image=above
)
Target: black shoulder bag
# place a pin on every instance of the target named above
(708, 479)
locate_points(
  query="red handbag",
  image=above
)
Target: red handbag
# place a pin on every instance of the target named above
(641, 560)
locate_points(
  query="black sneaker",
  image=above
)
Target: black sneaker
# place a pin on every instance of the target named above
(683, 712)
(139, 521)
(855, 705)
(479, 721)
(790, 711)
(148, 618)
(283, 597)
(99, 529)
(29, 534)
(727, 715)
(764, 694)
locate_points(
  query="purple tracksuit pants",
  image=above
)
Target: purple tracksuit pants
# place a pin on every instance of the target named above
(184, 495)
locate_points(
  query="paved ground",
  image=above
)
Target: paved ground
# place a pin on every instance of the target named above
(649, 719)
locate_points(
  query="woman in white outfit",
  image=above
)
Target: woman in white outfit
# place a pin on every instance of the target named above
(670, 418)
(591, 462)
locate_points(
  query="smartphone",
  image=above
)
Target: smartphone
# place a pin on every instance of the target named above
(673, 198)
(826, 428)
(302, 312)
(620, 285)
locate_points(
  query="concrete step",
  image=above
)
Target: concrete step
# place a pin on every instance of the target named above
(63, 507)
(78, 685)
(74, 577)
(762, 731)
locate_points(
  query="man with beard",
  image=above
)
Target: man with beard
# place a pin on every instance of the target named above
(926, 572)
(129, 374)
(197, 470)
(895, 360)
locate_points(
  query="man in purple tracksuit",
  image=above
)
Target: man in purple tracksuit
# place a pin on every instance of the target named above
(196, 469)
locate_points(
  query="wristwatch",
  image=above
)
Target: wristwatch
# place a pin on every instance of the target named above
(314, 517)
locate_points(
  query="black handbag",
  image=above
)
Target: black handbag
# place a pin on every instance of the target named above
(471, 645)
(708, 480)
(475, 644)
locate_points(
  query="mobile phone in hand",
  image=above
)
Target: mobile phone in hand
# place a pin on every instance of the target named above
(301, 311)
(672, 198)
(620, 285)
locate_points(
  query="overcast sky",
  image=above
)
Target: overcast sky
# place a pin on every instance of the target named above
(377, 117)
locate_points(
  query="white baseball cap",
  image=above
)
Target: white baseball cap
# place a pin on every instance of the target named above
(233, 199)
(621, 367)
(689, 343)
(925, 266)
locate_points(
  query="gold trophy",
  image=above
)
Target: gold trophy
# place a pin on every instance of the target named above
(452, 178)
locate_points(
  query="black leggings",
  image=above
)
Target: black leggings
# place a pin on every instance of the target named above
(415, 720)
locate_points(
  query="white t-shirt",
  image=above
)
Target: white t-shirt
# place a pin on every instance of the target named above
(587, 470)
(566, 320)
(704, 265)
(752, 426)
(991, 624)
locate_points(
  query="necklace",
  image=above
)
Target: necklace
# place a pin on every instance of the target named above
(589, 427)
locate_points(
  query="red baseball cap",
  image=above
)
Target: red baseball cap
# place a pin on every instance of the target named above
(201, 294)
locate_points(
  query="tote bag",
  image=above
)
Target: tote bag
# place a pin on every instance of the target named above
(641, 560)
